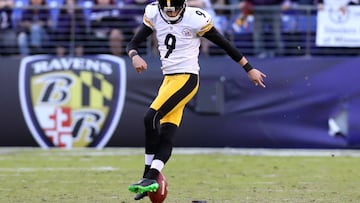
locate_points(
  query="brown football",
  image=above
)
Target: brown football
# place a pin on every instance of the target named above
(160, 195)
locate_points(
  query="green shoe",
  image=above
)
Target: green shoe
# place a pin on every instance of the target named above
(144, 185)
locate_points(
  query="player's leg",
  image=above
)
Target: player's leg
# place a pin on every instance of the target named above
(175, 92)
(152, 139)
(167, 134)
(173, 110)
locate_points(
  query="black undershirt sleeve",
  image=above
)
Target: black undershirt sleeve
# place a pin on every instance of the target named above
(140, 36)
(214, 36)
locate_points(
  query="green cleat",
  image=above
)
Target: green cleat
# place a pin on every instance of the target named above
(144, 185)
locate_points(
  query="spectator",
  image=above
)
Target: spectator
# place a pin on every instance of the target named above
(106, 36)
(269, 18)
(33, 29)
(7, 33)
(242, 21)
(69, 35)
(131, 19)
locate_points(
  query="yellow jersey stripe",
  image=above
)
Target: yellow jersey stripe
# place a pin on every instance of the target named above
(206, 28)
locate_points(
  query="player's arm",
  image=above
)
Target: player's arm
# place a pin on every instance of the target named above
(140, 36)
(132, 48)
(218, 39)
(254, 75)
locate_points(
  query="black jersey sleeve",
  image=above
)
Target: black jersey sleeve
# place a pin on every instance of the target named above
(140, 36)
(214, 36)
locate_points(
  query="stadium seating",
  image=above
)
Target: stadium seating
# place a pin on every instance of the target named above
(19, 6)
(298, 28)
(54, 6)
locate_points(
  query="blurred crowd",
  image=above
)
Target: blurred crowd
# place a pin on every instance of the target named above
(81, 27)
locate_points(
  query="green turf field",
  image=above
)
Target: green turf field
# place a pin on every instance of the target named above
(36, 176)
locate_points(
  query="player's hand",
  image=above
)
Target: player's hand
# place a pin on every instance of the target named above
(257, 77)
(139, 64)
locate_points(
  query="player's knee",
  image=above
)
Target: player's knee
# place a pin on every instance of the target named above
(151, 119)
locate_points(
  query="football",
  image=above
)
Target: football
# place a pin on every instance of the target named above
(160, 195)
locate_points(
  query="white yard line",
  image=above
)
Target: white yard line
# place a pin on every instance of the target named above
(51, 169)
(226, 151)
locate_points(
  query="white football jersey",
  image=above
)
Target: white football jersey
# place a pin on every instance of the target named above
(179, 43)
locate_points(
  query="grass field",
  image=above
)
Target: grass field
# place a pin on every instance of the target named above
(220, 176)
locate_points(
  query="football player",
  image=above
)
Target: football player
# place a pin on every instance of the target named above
(178, 31)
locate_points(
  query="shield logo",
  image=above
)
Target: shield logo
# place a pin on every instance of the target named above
(72, 101)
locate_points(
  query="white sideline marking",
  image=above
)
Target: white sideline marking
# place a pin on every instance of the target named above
(225, 151)
(34, 169)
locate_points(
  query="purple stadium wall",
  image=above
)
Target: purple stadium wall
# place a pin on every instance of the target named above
(293, 111)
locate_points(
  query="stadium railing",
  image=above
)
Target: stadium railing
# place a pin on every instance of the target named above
(298, 31)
